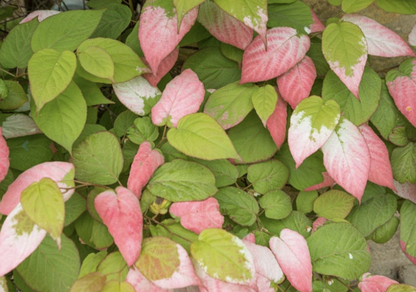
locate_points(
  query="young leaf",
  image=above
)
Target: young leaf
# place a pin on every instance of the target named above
(381, 41)
(370, 283)
(347, 158)
(311, 125)
(145, 163)
(276, 123)
(182, 96)
(282, 44)
(296, 84)
(4, 157)
(198, 135)
(224, 26)
(164, 67)
(158, 22)
(268, 175)
(39, 14)
(264, 101)
(141, 283)
(292, 254)
(333, 204)
(197, 216)
(345, 49)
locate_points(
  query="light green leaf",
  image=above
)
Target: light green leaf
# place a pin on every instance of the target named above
(350, 6)
(92, 232)
(400, 288)
(123, 122)
(74, 207)
(398, 6)
(142, 130)
(198, 135)
(91, 262)
(340, 250)
(304, 201)
(16, 97)
(408, 227)
(277, 204)
(183, 7)
(398, 136)
(403, 163)
(114, 21)
(268, 175)
(116, 286)
(223, 256)
(43, 203)
(224, 171)
(181, 180)
(91, 91)
(333, 204)
(238, 204)
(232, 52)
(264, 101)
(69, 30)
(92, 282)
(297, 15)
(98, 159)
(114, 267)
(97, 61)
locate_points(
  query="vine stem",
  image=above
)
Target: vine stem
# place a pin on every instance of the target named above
(7, 72)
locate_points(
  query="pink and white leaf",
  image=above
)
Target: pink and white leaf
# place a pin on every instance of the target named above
(284, 50)
(370, 283)
(158, 34)
(380, 168)
(292, 254)
(406, 190)
(412, 36)
(164, 67)
(381, 41)
(141, 283)
(347, 158)
(317, 25)
(403, 247)
(223, 26)
(53, 170)
(276, 123)
(182, 96)
(120, 212)
(296, 84)
(40, 14)
(327, 182)
(4, 156)
(320, 221)
(250, 237)
(145, 163)
(134, 93)
(198, 215)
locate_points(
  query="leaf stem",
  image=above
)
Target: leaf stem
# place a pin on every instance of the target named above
(7, 72)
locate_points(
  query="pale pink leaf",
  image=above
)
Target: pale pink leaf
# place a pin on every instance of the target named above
(140, 283)
(381, 41)
(158, 34)
(292, 254)
(375, 283)
(276, 123)
(56, 171)
(403, 247)
(320, 221)
(135, 94)
(198, 215)
(182, 96)
(145, 162)
(250, 237)
(296, 84)
(412, 36)
(347, 158)
(406, 190)
(40, 14)
(284, 50)
(164, 67)
(380, 167)
(4, 156)
(317, 25)
(121, 213)
(224, 27)
(189, 289)
(327, 182)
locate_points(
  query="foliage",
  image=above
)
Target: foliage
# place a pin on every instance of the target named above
(264, 164)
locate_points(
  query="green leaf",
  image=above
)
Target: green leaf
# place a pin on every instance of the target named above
(92, 232)
(93, 282)
(181, 180)
(264, 101)
(50, 73)
(357, 111)
(63, 118)
(400, 288)
(123, 122)
(16, 51)
(114, 21)
(408, 227)
(98, 159)
(213, 68)
(224, 171)
(398, 136)
(315, 52)
(133, 41)
(183, 7)
(43, 203)
(333, 204)
(69, 30)
(251, 140)
(199, 135)
(386, 231)
(91, 202)
(297, 15)
(304, 201)
(100, 4)
(268, 175)
(398, 6)
(49, 268)
(74, 207)
(143, 130)
(277, 204)
(238, 204)
(91, 91)
(350, 6)
(296, 221)
(340, 250)
(97, 61)
(116, 286)
(16, 96)
(114, 267)
(373, 213)
(403, 163)
(232, 52)
(223, 256)
(91, 262)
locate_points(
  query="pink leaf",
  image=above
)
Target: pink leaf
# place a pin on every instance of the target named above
(4, 157)
(158, 32)
(53, 170)
(412, 36)
(328, 182)
(144, 165)
(276, 123)
(381, 41)
(197, 216)
(284, 50)
(317, 25)
(403, 247)
(40, 14)
(347, 158)
(250, 237)
(406, 190)
(182, 96)
(292, 254)
(296, 84)
(121, 213)
(371, 283)
(164, 67)
(223, 26)
(320, 221)
(141, 283)
(380, 167)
